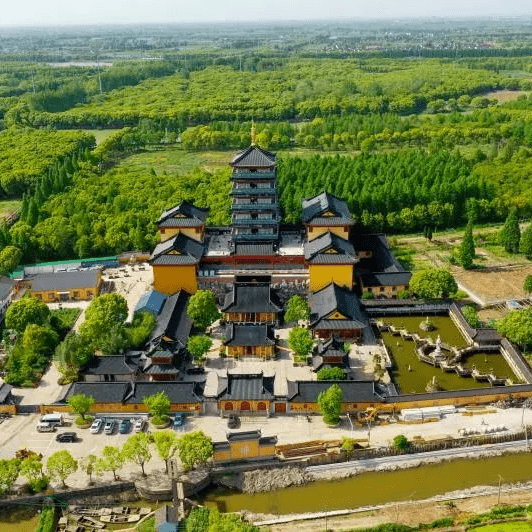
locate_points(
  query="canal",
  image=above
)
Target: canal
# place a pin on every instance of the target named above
(377, 488)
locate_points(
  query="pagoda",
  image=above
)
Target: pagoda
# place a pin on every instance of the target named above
(255, 207)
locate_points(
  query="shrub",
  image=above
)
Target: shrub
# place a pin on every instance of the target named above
(368, 295)
(401, 443)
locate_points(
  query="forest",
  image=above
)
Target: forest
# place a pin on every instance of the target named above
(409, 143)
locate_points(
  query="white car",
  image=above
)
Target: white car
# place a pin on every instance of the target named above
(96, 426)
(139, 425)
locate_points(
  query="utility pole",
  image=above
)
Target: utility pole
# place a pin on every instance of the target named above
(499, 495)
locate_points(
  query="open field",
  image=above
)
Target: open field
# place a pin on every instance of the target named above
(101, 134)
(503, 96)
(8, 207)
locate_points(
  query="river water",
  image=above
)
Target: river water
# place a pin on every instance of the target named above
(378, 488)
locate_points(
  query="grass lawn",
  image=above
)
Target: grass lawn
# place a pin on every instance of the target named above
(67, 317)
(512, 526)
(100, 134)
(8, 207)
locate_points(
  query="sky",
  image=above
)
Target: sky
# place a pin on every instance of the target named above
(84, 12)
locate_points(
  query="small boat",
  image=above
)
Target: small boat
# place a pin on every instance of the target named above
(113, 518)
(144, 511)
(121, 510)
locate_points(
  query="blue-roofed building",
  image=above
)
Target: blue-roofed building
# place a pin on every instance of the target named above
(151, 301)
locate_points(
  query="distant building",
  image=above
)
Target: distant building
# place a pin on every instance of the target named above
(152, 302)
(251, 302)
(246, 393)
(249, 340)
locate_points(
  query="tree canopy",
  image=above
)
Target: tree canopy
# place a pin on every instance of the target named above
(433, 283)
(517, 326)
(202, 309)
(510, 234)
(195, 448)
(198, 346)
(330, 403)
(61, 465)
(81, 404)
(26, 311)
(297, 309)
(301, 342)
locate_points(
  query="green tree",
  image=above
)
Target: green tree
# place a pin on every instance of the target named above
(331, 374)
(433, 283)
(330, 403)
(137, 450)
(112, 460)
(9, 472)
(202, 309)
(31, 468)
(517, 327)
(81, 404)
(104, 313)
(301, 342)
(39, 340)
(88, 465)
(9, 258)
(194, 449)
(297, 309)
(198, 347)
(401, 442)
(158, 405)
(466, 252)
(527, 285)
(525, 245)
(510, 234)
(348, 445)
(73, 353)
(61, 465)
(471, 315)
(165, 442)
(25, 311)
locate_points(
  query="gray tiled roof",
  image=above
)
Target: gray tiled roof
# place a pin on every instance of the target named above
(254, 250)
(334, 298)
(386, 279)
(315, 250)
(253, 157)
(194, 216)
(249, 335)
(250, 298)
(109, 365)
(6, 286)
(190, 251)
(64, 280)
(353, 391)
(161, 369)
(103, 392)
(314, 207)
(5, 392)
(173, 322)
(248, 387)
(177, 392)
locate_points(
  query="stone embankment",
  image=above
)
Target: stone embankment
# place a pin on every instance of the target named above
(266, 479)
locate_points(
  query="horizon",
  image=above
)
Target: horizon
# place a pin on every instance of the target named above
(62, 13)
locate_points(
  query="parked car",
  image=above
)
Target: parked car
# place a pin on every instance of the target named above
(66, 437)
(179, 420)
(110, 426)
(45, 427)
(125, 426)
(139, 425)
(233, 421)
(96, 426)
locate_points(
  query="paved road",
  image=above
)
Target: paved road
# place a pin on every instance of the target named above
(405, 458)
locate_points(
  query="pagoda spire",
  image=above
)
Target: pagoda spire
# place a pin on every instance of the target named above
(253, 133)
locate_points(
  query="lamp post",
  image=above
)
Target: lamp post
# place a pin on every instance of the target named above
(351, 423)
(499, 495)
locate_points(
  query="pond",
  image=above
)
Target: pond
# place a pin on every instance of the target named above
(412, 376)
(377, 488)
